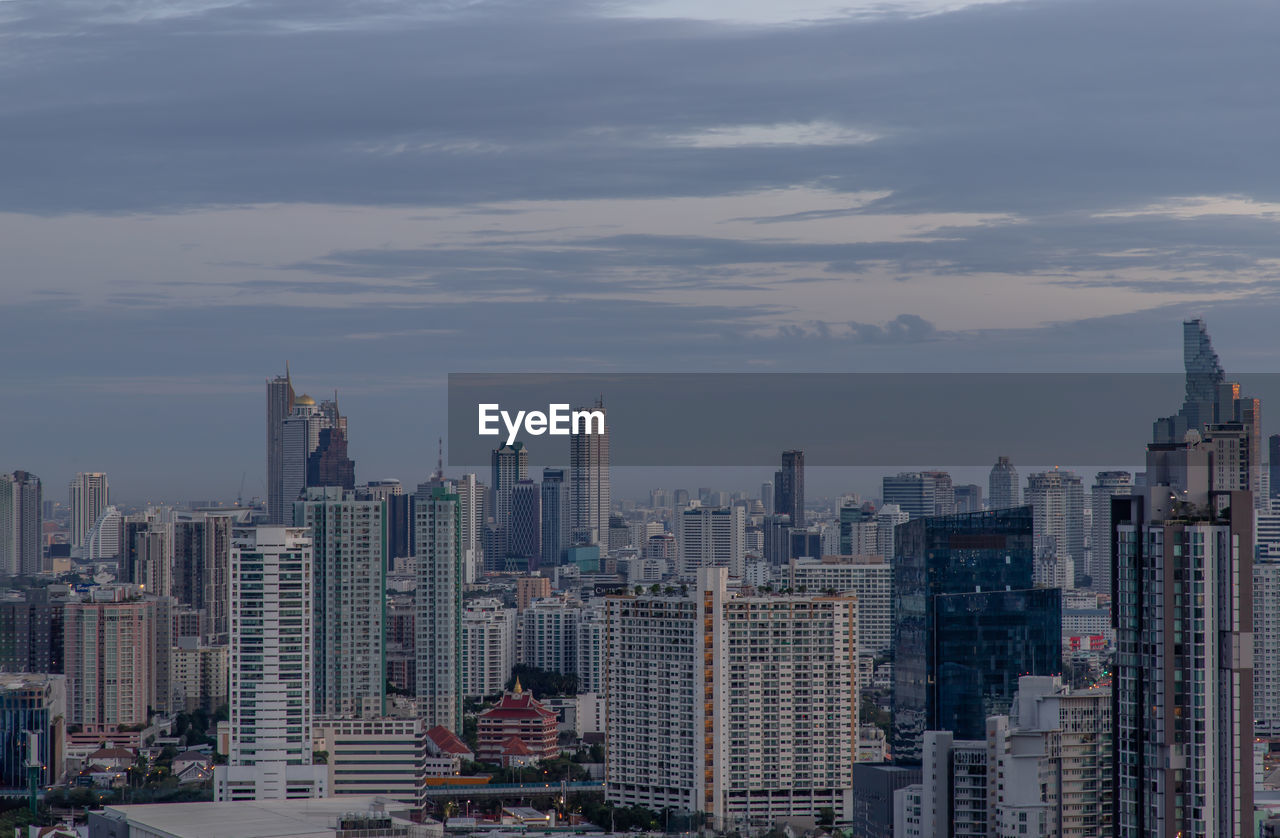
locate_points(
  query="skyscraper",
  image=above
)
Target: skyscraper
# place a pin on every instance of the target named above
(300, 435)
(279, 406)
(21, 538)
(270, 669)
(116, 649)
(438, 606)
(920, 493)
(1204, 375)
(508, 465)
(1106, 484)
(711, 536)
(966, 623)
(788, 487)
(742, 709)
(349, 560)
(590, 500)
(1273, 468)
(88, 498)
(555, 516)
(1182, 610)
(1056, 499)
(524, 544)
(1003, 487)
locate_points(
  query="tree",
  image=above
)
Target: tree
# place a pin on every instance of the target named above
(826, 816)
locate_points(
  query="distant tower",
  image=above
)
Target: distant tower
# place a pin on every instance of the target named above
(508, 466)
(279, 406)
(301, 437)
(524, 546)
(1106, 485)
(555, 516)
(1004, 491)
(788, 487)
(88, 498)
(590, 499)
(21, 539)
(1057, 502)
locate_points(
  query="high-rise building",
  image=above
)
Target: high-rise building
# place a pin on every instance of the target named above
(199, 675)
(385, 755)
(788, 487)
(1106, 485)
(116, 649)
(968, 498)
(1182, 609)
(1056, 499)
(966, 623)
(888, 518)
(766, 497)
(279, 407)
(471, 513)
(869, 577)
(438, 619)
(1044, 762)
(920, 493)
(202, 566)
(104, 541)
(300, 437)
(591, 644)
(590, 500)
(89, 493)
(741, 709)
(1003, 488)
(546, 634)
(529, 588)
(271, 669)
(33, 712)
(21, 538)
(524, 541)
(857, 530)
(508, 466)
(1266, 638)
(328, 464)
(349, 560)
(488, 647)
(556, 529)
(1273, 468)
(711, 536)
(1204, 376)
(31, 631)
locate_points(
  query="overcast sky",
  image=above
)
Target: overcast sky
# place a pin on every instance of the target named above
(382, 192)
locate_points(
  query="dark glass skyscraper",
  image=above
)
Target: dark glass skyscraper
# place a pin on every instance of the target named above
(966, 623)
(788, 487)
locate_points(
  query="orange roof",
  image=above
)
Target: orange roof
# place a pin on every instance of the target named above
(513, 747)
(447, 741)
(517, 706)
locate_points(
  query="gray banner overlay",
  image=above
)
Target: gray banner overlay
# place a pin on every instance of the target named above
(892, 420)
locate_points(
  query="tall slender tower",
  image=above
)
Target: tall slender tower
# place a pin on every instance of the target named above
(1106, 485)
(279, 406)
(555, 516)
(1057, 503)
(788, 488)
(438, 607)
(21, 540)
(88, 498)
(300, 435)
(349, 548)
(589, 494)
(508, 466)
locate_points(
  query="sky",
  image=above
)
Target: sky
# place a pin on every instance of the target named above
(381, 192)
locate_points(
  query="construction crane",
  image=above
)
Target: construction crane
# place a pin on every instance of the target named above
(240, 494)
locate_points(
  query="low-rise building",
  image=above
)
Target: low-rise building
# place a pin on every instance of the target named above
(517, 715)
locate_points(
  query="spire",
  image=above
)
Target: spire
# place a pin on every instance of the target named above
(518, 689)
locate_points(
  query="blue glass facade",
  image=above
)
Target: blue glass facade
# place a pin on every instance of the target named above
(31, 703)
(966, 622)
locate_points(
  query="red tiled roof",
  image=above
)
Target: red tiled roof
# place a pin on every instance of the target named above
(111, 753)
(517, 706)
(447, 741)
(513, 747)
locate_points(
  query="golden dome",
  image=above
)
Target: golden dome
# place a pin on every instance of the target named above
(305, 400)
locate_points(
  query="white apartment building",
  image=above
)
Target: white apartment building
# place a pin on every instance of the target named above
(868, 577)
(382, 756)
(711, 536)
(547, 635)
(589, 654)
(488, 647)
(1266, 647)
(743, 709)
(438, 609)
(271, 669)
